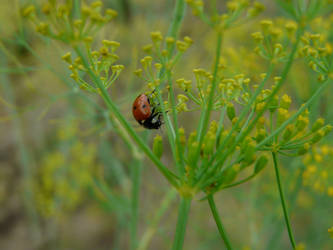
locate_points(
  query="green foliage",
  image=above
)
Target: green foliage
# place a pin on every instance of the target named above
(220, 124)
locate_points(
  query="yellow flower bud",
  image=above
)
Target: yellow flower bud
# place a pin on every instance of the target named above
(138, 72)
(282, 116)
(304, 149)
(285, 102)
(318, 136)
(288, 133)
(67, 57)
(266, 25)
(319, 123)
(169, 40)
(260, 164)
(231, 111)
(188, 40)
(182, 137)
(301, 123)
(28, 11)
(156, 36)
(181, 46)
(111, 13)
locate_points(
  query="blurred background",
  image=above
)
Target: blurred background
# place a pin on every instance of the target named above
(65, 175)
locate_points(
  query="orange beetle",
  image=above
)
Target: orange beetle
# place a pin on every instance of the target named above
(145, 115)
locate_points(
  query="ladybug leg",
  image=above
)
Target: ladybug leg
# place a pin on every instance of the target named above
(154, 112)
(153, 115)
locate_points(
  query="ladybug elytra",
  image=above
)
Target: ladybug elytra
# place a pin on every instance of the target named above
(145, 114)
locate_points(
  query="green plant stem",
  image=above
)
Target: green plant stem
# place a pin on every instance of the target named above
(218, 222)
(136, 170)
(239, 182)
(283, 203)
(184, 208)
(147, 236)
(172, 129)
(76, 9)
(114, 109)
(205, 114)
(179, 155)
(177, 19)
(292, 200)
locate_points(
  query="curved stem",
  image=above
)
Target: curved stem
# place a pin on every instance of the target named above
(218, 222)
(283, 203)
(184, 208)
(136, 181)
(149, 233)
(124, 123)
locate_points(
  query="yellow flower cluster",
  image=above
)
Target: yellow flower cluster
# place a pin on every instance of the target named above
(318, 51)
(237, 11)
(273, 38)
(297, 136)
(101, 63)
(67, 22)
(318, 172)
(161, 59)
(234, 89)
(63, 177)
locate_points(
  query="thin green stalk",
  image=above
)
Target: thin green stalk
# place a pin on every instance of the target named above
(76, 9)
(239, 182)
(172, 129)
(180, 158)
(283, 203)
(136, 180)
(114, 109)
(147, 236)
(292, 200)
(206, 112)
(177, 19)
(218, 222)
(183, 212)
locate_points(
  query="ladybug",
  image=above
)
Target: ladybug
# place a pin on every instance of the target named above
(146, 115)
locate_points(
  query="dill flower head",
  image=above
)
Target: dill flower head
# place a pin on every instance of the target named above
(67, 22)
(318, 174)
